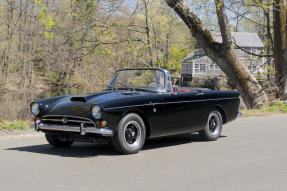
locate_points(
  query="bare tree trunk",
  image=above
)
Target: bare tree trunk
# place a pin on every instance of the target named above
(285, 87)
(156, 46)
(269, 36)
(21, 53)
(146, 2)
(6, 61)
(167, 43)
(280, 57)
(222, 53)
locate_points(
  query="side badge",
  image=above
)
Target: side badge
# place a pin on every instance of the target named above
(154, 109)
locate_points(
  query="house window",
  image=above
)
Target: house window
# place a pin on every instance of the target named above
(199, 68)
(186, 68)
(253, 51)
(213, 66)
(252, 68)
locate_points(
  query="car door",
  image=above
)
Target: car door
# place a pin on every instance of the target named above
(154, 112)
(196, 111)
(183, 113)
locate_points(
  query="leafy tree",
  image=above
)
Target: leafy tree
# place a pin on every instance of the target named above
(222, 53)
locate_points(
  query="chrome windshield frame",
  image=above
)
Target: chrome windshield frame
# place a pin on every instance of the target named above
(165, 72)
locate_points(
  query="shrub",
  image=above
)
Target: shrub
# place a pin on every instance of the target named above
(16, 125)
(211, 83)
(276, 107)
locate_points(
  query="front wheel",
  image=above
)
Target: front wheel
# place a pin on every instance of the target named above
(213, 126)
(130, 135)
(57, 141)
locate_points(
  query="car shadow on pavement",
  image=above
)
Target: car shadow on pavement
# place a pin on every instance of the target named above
(173, 141)
(85, 150)
(78, 150)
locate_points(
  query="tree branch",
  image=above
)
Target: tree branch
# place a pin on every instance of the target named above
(223, 23)
(243, 16)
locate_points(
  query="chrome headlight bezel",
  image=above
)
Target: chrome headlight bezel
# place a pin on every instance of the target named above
(96, 112)
(35, 109)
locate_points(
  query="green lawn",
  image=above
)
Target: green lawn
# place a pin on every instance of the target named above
(275, 108)
(14, 125)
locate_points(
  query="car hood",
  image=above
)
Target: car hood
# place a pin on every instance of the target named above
(77, 105)
(105, 96)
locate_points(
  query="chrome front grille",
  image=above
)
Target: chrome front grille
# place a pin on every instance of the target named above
(66, 120)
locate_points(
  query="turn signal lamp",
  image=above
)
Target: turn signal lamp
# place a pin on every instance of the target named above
(34, 119)
(102, 123)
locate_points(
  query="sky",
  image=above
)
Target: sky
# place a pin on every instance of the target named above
(201, 9)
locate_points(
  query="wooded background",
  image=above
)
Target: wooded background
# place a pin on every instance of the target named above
(80, 43)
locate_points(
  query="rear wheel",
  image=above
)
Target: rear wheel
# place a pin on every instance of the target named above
(213, 126)
(130, 135)
(57, 141)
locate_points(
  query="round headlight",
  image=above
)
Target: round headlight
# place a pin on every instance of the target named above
(35, 109)
(96, 112)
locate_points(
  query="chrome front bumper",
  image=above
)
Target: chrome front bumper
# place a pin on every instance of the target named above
(82, 129)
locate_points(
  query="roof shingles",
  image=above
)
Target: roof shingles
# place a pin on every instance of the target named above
(243, 39)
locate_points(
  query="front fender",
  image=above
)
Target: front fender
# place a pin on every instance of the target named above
(46, 104)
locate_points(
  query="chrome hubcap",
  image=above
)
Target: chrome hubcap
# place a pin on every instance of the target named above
(213, 124)
(132, 133)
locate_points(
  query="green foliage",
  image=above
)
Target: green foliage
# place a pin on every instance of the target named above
(218, 5)
(262, 4)
(176, 54)
(46, 19)
(276, 107)
(270, 68)
(68, 44)
(16, 125)
(52, 77)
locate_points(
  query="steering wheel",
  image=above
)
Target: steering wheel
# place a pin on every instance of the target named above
(147, 84)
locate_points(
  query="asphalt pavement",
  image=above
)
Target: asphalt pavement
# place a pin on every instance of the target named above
(250, 155)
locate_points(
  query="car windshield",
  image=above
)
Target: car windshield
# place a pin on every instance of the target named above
(145, 79)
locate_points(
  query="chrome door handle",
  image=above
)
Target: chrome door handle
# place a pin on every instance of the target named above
(198, 94)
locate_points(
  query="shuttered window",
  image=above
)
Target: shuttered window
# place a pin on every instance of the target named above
(213, 66)
(199, 68)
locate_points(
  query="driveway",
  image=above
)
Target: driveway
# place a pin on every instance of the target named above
(250, 155)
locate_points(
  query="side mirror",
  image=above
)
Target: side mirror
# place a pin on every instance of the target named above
(174, 90)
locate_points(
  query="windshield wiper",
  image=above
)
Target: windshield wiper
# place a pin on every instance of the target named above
(126, 86)
(112, 87)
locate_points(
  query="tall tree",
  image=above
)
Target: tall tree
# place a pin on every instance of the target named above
(10, 31)
(146, 10)
(280, 56)
(285, 88)
(222, 53)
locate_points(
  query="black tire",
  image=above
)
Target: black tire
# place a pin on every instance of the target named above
(213, 126)
(130, 135)
(55, 141)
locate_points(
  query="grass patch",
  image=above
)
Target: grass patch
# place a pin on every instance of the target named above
(276, 107)
(15, 125)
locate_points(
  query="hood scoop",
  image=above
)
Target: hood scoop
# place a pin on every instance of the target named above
(80, 99)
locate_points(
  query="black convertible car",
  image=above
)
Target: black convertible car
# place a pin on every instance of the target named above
(137, 104)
